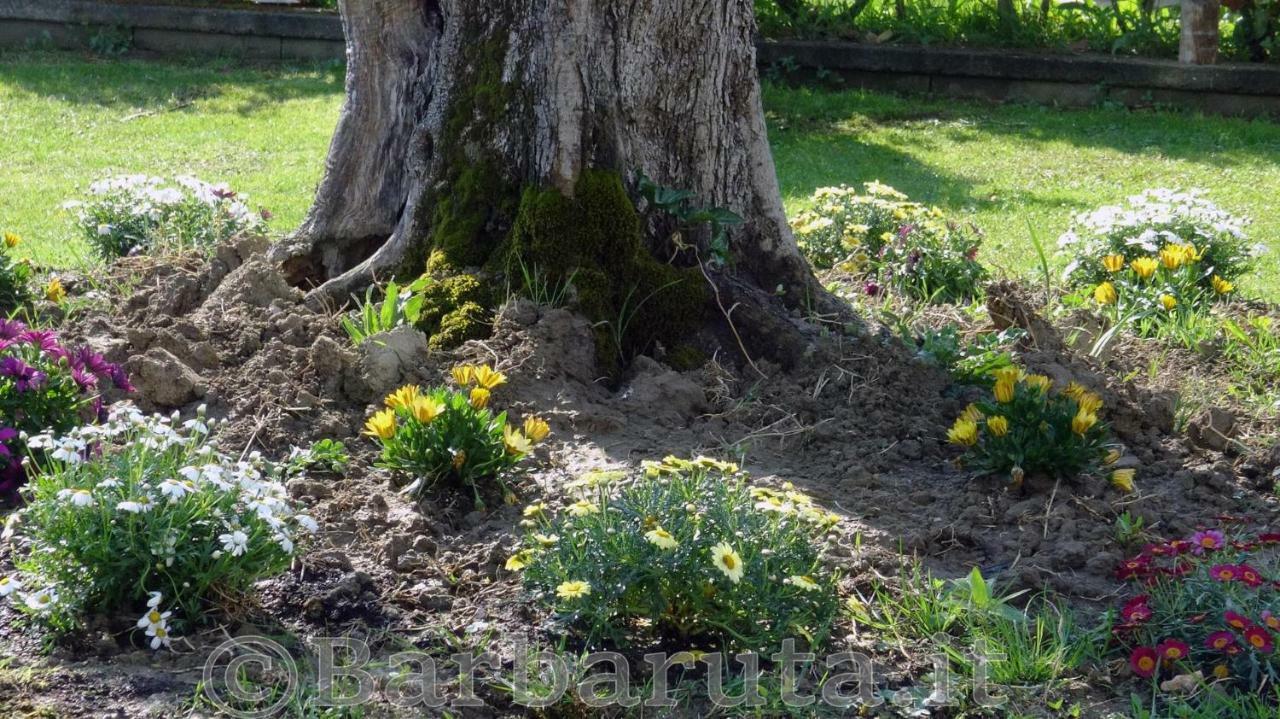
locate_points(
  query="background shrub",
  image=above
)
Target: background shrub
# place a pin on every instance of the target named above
(891, 241)
(133, 214)
(689, 553)
(137, 506)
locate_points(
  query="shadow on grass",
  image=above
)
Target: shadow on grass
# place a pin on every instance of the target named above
(168, 84)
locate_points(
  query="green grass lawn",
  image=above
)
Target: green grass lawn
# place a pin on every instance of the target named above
(67, 121)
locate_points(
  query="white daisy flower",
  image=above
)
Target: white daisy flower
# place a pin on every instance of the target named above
(42, 600)
(236, 542)
(9, 585)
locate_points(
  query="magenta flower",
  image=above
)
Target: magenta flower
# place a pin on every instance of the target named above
(1207, 541)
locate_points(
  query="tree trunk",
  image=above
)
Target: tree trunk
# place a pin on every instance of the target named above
(460, 112)
(1198, 44)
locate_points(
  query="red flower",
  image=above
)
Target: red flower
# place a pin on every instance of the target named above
(1157, 550)
(1225, 572)
(1249, 575)
(1179, 546)
(1135, 567)
(1236, 621)
(1136, 611)
(1270, 619)
(1171, 650)
(1222, 641)
(1269, 537)
(1244, 546)
(1259, 639)
(1144, 661)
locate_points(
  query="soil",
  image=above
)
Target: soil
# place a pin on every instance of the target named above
(860, 425)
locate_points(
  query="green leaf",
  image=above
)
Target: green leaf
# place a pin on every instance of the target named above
(979, 593)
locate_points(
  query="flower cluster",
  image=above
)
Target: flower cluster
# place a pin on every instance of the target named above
(143, 503)
(451, 434)
(1207, 603)
(44, 385)
(132, 214)
(1030, 426)
(1165, 252)
(687, 550)
(15, 276)
(891, 241)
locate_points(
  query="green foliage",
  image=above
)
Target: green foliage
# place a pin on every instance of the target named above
(974, 361)
(453, 307)
(133, 214)
(451, 435)
(689, 552)
(1251, 348)
(398, 307)
(15, 277)
(326, 455)
(137, 506)
(891, 241)
(1028, 426)
(679, 204)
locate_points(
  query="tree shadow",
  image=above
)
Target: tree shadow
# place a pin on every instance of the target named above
(164, 85)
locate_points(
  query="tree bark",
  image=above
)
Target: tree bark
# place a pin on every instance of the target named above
(1198, 44)
(452, 103)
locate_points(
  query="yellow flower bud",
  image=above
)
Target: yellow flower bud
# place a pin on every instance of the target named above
(998, 426)
(1113, 263)
(479, 398)
(1004, 391)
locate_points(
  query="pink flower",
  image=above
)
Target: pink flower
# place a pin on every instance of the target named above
(1225, 572)
(1136, 611)
(1144, 661)
(1236, 621)
(1172, 650)
(1207, 541)
(1221, 641)
(1259, 639)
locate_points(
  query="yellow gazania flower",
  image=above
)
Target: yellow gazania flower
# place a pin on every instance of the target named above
(1222, 286)
(536, 429)
(546, 540)
(1122, 479)
(519, 560)
(1105, 293)
(1112, 457)
(515, 442)
(582, 508)
(573, 589)
(1113, 263)
(1145, 267)
(972, 413)
(11, 240)
(1004, 391)
(803, 581)
(727, 561)
(403, 397)
(537, 509)
(1083, 421)
(479, 398)
(381, 425)
(1172, 257)
(998, 426)
(1074, 390)
(1009, 374)
(1168, 302)
(1039, 382)
(661, 538)
(463, 374)
(54, 291)
(963, 432)
(1089, 402)
(486, 377)
(426, 409)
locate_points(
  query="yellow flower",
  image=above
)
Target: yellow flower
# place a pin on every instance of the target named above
(536, 509)
(661, 538)
(1145, 267)
(963, 432)
(54, 291)
(381, 425)
(402, 397)
(998, 426)
(582, 508)
(1083, 421)
(1172, 257)
(1222, 286)
(803, 581)
(1105, 293)
(1089, 402)
(479, 398)
(727, 561)
(1074, 390)
(426, 409)
(1040, 382)
(463, 374)
(536, 429)
(486, 377)
(519, 560)
(515, 442)
(1168, 302)
(1112, 457)
(1221, 672)
(1113, 263)
(573, 590)
(1009, 374)
(11, 240)
(546, 540)
(1122, 479)
(1004, 391)
(971, 413)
